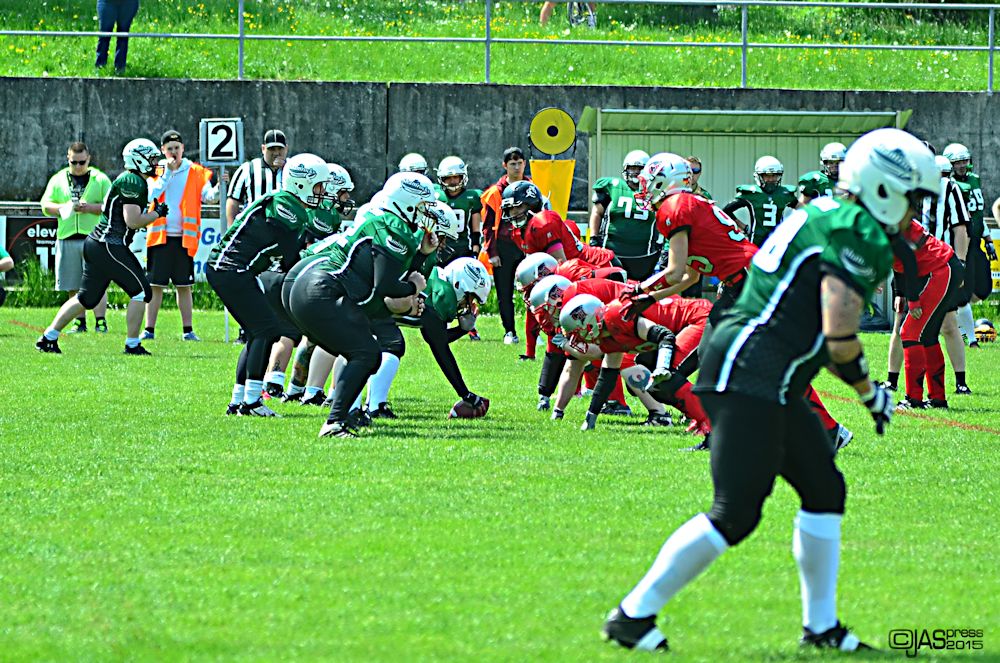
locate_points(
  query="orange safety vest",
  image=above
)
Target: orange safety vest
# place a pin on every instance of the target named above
(198, 176)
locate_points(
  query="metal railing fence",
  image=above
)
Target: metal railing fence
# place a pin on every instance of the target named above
(488, 40)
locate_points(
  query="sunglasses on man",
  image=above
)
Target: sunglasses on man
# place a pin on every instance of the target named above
(78, 163)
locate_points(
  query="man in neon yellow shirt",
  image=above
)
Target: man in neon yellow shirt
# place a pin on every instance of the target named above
(74, 195)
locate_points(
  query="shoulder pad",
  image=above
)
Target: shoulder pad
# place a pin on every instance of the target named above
(746, 189)
(604, 183)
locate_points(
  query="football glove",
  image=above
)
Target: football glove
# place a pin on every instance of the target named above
(543, 403)
(991, 251)
(597, 240)
(467, 321)
(161, 209)
(880, 405)
(661, 374)
(557, 414)
(589, 422)
(560, 341)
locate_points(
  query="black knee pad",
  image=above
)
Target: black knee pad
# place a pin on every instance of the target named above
(735, 523)
(87, 300)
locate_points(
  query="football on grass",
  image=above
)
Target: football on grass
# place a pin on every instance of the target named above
(463, 410)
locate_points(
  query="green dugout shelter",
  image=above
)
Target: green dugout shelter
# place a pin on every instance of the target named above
(728, 142)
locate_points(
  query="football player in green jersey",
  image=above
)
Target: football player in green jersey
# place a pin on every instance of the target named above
(453, 178)
(799, 311)
(106, 252)
(761, 207)
(822, 182)
(619, 223)
(270, 228)
(331, 297)
(978, 280)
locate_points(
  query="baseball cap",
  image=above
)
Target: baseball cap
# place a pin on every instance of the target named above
(170, 136)
(512, 153)
(275, 138)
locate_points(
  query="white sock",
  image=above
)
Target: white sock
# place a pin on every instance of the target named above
(312, 391)
(688, 552)
(816, 546)
(966, 324)
(131, 342)
(238, 391)
(275, 377)
(253, 389)
(294, 389)
(379, 384)
(51, 334)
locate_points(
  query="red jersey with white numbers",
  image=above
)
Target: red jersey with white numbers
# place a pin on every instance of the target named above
(931, 253)
(674, 313)
(716, 246)
(547, 231)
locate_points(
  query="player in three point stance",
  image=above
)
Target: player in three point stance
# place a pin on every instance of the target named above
(799, 311)
(106, 254)
(269, 229)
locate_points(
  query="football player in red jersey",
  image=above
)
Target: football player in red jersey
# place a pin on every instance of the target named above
(548, 297)
(704, 240)
(930, 288)
(662, 336)
(543, 231)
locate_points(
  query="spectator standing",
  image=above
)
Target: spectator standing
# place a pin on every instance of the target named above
(112, 13)
(6, 264)
(74, 195)
(172, 242)
(696, 187)
(501, 247)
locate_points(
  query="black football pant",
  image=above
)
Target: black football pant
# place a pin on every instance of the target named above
(105, 263)
(978, 278)
(241, 294)
(753, 442)
(318, 305)
(503, 277)
(640, 268)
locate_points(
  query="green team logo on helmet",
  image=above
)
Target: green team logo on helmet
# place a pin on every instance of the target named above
(414, 186)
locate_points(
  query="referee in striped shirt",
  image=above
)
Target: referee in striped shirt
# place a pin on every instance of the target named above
(258, 176)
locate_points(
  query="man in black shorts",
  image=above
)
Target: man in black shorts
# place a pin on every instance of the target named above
(106, 253)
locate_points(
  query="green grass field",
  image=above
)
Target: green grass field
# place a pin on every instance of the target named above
(139, 523)
(938, 69)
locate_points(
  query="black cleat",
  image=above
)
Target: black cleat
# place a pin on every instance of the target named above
(525, 358)
(45, 345)
(274, 390)
(887, 385)
(138, 351)
(616, 409)
(337, 429)
(78, 328)
(359, 418)
(316, 399)
(911, 404)
(936, 404)
(704, 445)
(837, 637)
(383, 411)
(658, 419)
(257, 409)
(101, 326)
(963, 390)
(640, 634)
(232, 409)
(289, 397)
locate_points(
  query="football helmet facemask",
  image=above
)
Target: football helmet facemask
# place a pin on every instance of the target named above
(141, 155)
(452, 167)
(581, 317)
(663, 175)
(764, 171)
(632, 166)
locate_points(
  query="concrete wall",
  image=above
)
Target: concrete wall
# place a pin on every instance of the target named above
(368, 126)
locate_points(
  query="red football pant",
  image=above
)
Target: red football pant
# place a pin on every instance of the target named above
(922, 354)
(817, 406)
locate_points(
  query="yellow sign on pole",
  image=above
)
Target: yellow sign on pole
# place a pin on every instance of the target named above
(555, 180)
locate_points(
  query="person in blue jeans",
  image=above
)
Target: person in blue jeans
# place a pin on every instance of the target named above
(109, 14)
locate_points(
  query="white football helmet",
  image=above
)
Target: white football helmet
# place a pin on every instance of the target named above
(582, 317)
(957, 152)
(888, 170)
(944, 165)
(632, 166)
(663, 175)
(408, 195)
(767, 165)
(141, 155)
(830, 157)
(300, 176)
(413, 163)
(449, 167)
(534, 267)
(468, 276)
(340, 181)
(444, 220)
(547, 294)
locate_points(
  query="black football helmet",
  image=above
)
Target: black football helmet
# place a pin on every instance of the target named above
(521, 200)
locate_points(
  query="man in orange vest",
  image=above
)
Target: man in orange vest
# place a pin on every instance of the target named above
(172, 242)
